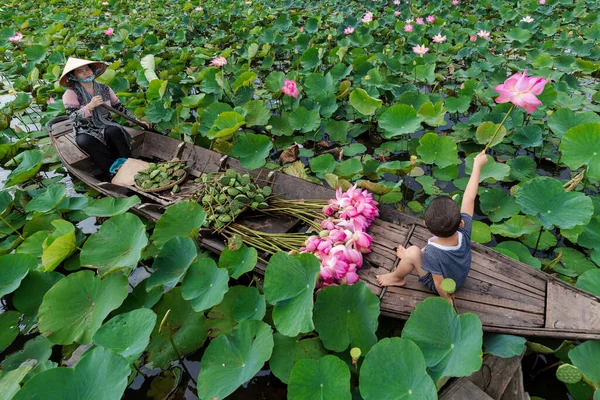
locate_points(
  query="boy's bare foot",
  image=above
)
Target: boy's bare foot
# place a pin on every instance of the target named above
(390, 279)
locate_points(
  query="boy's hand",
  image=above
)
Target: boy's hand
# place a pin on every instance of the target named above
(480, 160)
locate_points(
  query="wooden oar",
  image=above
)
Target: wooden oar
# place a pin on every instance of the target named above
(130, 119)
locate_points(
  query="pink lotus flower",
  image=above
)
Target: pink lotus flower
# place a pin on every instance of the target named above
(218, 61)
(439, 38)
(289, 88)
(408, 28)
(542, 2)
(430, 19)
(333, 266)
(348, 30)
(396, 13)
(50, 100)
(521, 91)
(396, 2)
(351, 276)
(473, 38)
(301, 29)
(419, 21)
(484, 34)
(361, 241)
(329, 210)
(368, 17)
(339, 235)
(17, 38)
(420, 49)
(109, 32)
(455, 2)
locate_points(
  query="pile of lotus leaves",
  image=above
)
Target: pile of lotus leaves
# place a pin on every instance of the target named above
(160, 175)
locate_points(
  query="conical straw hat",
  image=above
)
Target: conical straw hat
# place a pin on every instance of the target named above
(74, 63)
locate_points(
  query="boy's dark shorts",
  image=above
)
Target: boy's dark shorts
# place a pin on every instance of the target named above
(427, 281)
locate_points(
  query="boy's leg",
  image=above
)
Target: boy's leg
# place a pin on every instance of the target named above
(410, 258)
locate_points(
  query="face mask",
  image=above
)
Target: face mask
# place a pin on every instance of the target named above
(84, 80)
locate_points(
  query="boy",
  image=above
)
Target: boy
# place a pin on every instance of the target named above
(448, 253)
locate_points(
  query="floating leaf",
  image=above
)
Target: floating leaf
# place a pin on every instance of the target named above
(74, 308)
(438, 150)
(117, 245)
(38, 349)
(238, 262)
(13, 268)
(228, 362)
(27, 169)
(580, 146)
(9, 328)
(250, 304)
(522, 168)
(28, 297)
(327, 378)
(226, 124)
(140, 298)
(590, 281)
(220, 318)
(59, 245)
(363, 103)
(585, 357)
(304, 120)
(546, 199)
(497, 204)
(289, 285)
(547, 241)
(204, 284)
(257, 113)
(486, 130)
(504, 346)
(433, 114)
(10, 381)
(492, 169)
(289, 350)
(110, 206)
(355, 310)
(395, 369)
(127, 334)
(183, 218)
(399, 119)
(172, 262)
(522, 252)
(451, 343)
(348, 168)
(48, 199)
(575, 261)
(325, 163)
(481, 232)
(86, 381)
(564, 119)
(516, 226)
(252, 150)
(590, 237)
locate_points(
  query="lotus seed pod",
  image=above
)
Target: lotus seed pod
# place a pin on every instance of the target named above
(267, 191)
(230, 173)
(568, 373)
(152, 166)
(448, 285)
(355, 353)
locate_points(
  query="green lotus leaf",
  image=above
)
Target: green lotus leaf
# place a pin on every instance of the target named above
(355, 309)
(518, 34)
(327, 378)
(310, 59)
(575, 261)
(250, 304)
(117, 245)
(399, 119)
(348, 168)
(35, 53)
(127, 334)
(580, 146)
(486, 130)
(547, 241)
(110, 206)
(289, 285)
(10, 381)
(325, 163)
(140, 298)
(148, 63)
(354, 149)
(88, 380)
(585, 357)
(59, 245)
(192, 101)
(564, 119)
(522, 252)
(527, 136)
(428, 184)
(48, 199)
(280, 125)
(451, 343)
(395, 369)
(220, 318)
(337, 130)
(204, 284)
(275, 81)
(289, 350)
(546, 199)
(28, 297)
(172, 262)
(246, 78)
(74, 308)
(183, 218)
(27, 169)
(304, 120)
(590, 281)
(458, 104)
(156, 89)
(481, 232)
(38, 349)
(13, 268)
(433, 114)
(228, 362)
(9, 328)
(252, 150)
(517, 226)
(395, 167)
(39, 222)
(438, 150)
(497, 204)
(183, 328)
(209, 115)
(504, 346)
(212, 81)
(590, 237)
(156, 112)
(238, 262)
(522, 168)
(363, 103)
(256, 113)
(316, 84)
(492, 169)
(225, 125)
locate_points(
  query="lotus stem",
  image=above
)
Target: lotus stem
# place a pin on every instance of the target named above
(537, 243)
(11, 227)
(498, 128)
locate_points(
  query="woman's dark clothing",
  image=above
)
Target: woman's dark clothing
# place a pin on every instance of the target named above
(95, 132)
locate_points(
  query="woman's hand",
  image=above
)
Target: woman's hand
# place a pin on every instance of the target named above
(95, 102)
(146, 124)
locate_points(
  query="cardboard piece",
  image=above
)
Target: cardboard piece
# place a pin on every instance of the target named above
(128, 170)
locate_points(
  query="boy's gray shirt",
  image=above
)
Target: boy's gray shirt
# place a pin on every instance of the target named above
(451, 261)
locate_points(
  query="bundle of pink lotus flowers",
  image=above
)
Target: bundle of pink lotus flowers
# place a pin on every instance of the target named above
(343, 240)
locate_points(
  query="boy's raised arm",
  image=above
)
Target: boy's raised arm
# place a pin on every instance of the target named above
(468, 201)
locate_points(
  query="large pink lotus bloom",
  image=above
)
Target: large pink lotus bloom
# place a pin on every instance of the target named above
(521, 90)
(439, 38)
(218, 61)
(289, 88)
(419, 21)
(17, 38)
(430, 19)
(333, 266)
(361, 241)
(420, 49)
(109, 32)
(484, 34)
(351, 276)
(408, 28)
(340, 235)
(368, 17)
(312, 244)
(348, 30)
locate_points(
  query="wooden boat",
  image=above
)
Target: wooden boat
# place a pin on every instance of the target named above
(508, 296)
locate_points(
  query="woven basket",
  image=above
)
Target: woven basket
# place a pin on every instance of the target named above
(163, 188)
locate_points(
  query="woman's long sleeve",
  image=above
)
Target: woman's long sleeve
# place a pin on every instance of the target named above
(75, 110)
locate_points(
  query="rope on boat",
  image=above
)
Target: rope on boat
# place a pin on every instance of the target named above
(408, 237)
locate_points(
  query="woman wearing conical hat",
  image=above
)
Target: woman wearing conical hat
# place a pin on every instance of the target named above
(95, 132)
